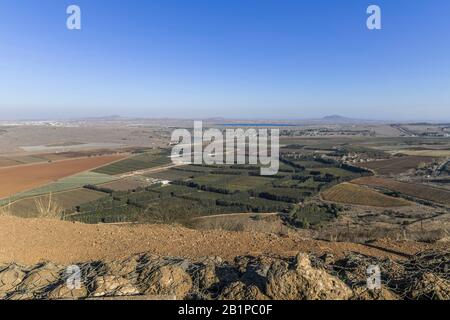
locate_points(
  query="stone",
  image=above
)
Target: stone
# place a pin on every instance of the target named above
(429, 286)
(169, 280)
(303, 282)
(10, 278)
(240, 291)
(39, 278)
(111, 285)
(363, 293)
(62, 291)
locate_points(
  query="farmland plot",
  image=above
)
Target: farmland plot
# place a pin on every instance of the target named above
(17, 179)
(415, 190)
(72, 182)
(135, 163)
(396, 165)
(354, 194)
(66, 200)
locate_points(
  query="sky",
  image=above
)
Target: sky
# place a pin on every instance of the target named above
(259, 59)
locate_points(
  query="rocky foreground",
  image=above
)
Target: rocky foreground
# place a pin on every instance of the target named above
(145, 276)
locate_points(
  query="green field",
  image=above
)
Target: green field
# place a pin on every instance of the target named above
(138, 162)
(199, 190)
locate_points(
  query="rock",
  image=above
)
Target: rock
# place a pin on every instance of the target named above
(430, 287)
(215, 260)
(10, 277)
(257, 270)
(239, 291)
(206, 277)
(39, 278)
(21, 296)
(303, 282)
(124, 267)
(63, 292)
(169, 280)
(363, 293)
(328, 258)
(111, 285)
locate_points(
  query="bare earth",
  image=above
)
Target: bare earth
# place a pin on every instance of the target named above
(24, 177)
(29, 241)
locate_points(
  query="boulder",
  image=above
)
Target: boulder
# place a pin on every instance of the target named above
(10, 278)
(40, 278)
(429, 286)
(239, 291)
(363, 293)
(111, 285)
(168, 280)
(122, 268)
(303, 282)
(62, 291)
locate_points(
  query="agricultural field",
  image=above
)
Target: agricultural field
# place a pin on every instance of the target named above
(64, 184)
(232, 182)
(415, 190)
(22, 178)
(125, 184)
(66, 200)
(7, 162)
(437, 153)
(349, 193)
(142, 161)
(397, 165)
(203, 190)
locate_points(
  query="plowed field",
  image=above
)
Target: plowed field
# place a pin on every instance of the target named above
(21, 178)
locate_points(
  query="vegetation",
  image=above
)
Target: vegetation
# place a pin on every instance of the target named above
(137, 162)
(313, 215)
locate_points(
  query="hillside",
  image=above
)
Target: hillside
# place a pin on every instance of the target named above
(67, 242)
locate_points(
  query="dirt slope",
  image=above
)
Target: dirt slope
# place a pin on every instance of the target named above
(30, 241)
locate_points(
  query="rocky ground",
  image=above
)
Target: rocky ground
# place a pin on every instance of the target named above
(147, 276)
(49, 259)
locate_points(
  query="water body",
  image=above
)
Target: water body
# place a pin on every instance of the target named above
(258, 125)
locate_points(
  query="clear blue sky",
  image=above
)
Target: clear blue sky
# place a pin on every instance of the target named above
(231, 58)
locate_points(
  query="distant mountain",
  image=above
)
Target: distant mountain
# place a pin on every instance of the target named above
(337, 119)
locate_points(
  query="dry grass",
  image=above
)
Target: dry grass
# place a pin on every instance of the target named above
(415, 190)
(49, 208)
(5, 210)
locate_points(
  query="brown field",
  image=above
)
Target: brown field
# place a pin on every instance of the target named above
(349, 193)
(16, 160)
(396, 165)
(125, 184)
(411, 189)
(27, 208)
(426, 152)
(21, 178)
(5, 162)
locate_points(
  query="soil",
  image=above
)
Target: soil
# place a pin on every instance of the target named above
(29, 241)
(25, 177)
